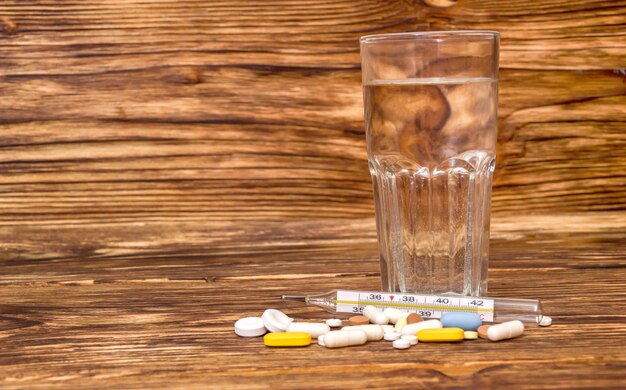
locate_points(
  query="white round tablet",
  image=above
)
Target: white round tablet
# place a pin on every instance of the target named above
(412, 338)
(392, 336)
(275, 320)
(545, 321)
(401, 344)
(334, 322)
(250, 327)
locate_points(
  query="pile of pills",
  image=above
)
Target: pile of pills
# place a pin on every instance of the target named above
(401, 329)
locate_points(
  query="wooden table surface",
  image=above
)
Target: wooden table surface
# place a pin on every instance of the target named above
(167, 167)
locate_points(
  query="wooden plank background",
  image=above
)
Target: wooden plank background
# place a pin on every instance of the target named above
(156, 155)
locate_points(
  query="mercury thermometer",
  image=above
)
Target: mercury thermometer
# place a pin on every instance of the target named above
(429, 306)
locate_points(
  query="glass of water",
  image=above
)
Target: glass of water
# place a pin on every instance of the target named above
(431, 114)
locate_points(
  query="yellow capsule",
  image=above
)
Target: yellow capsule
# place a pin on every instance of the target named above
(287, 339)
(440, 335)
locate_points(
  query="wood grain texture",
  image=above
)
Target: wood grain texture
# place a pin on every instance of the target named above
(547, 34)
(157, 110)
(143, 315)
(160, 156)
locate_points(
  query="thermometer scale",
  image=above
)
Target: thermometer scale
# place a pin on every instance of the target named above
(429, 306)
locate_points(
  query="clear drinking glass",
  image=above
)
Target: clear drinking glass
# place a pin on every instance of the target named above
(431, 112)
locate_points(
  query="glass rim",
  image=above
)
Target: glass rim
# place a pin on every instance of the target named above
(442, 35)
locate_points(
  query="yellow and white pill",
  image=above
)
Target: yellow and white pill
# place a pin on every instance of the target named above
(287, 339)
(470, 335)
(401, 323)
(440, 335)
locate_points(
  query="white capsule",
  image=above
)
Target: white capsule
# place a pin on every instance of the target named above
(312, 328)
(416, 327)
(340, 338)
(370, 311)
(373, 332)
(375, 316)
(394, 314)
(334, 322)
(388, 328)
(412, 339)
(505, 330)
(381, 319)
(392, 336)
(320, 340)
(275, 320)
(401, 344)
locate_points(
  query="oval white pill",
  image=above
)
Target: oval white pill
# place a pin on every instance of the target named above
(334, 322)
(505, 330)
(388, 328)
(393, 314)
(412, 339)
(341, 338)
(392, 336)
(381, 319)
(313, 328)
(416, 327)
(250, 327)
(401, 344)
(375, 316)
(373, 332)
(275, 320)
(370, 311)
(545, 321)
